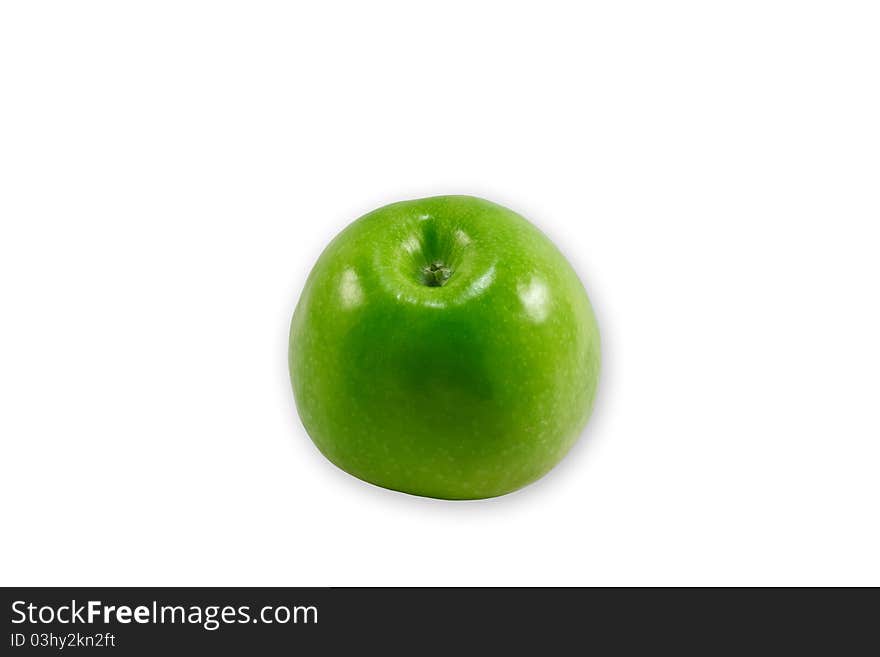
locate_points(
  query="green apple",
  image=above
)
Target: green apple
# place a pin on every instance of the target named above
(444, 347)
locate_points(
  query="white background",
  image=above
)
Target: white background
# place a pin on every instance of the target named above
(169, 172)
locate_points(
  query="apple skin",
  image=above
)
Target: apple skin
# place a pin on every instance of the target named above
(467, 389)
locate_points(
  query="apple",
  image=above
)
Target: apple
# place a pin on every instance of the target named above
(444, 347)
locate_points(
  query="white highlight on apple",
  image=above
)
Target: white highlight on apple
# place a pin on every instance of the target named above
(462, 237)
(411, 244)
(535, 299)
(480, 285)
(350, 289)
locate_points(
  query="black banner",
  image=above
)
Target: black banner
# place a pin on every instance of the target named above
(148, 621)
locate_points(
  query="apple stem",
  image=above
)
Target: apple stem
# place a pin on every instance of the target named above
(436, 274)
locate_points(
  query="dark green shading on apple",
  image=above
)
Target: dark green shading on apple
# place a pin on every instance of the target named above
(444, 347)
